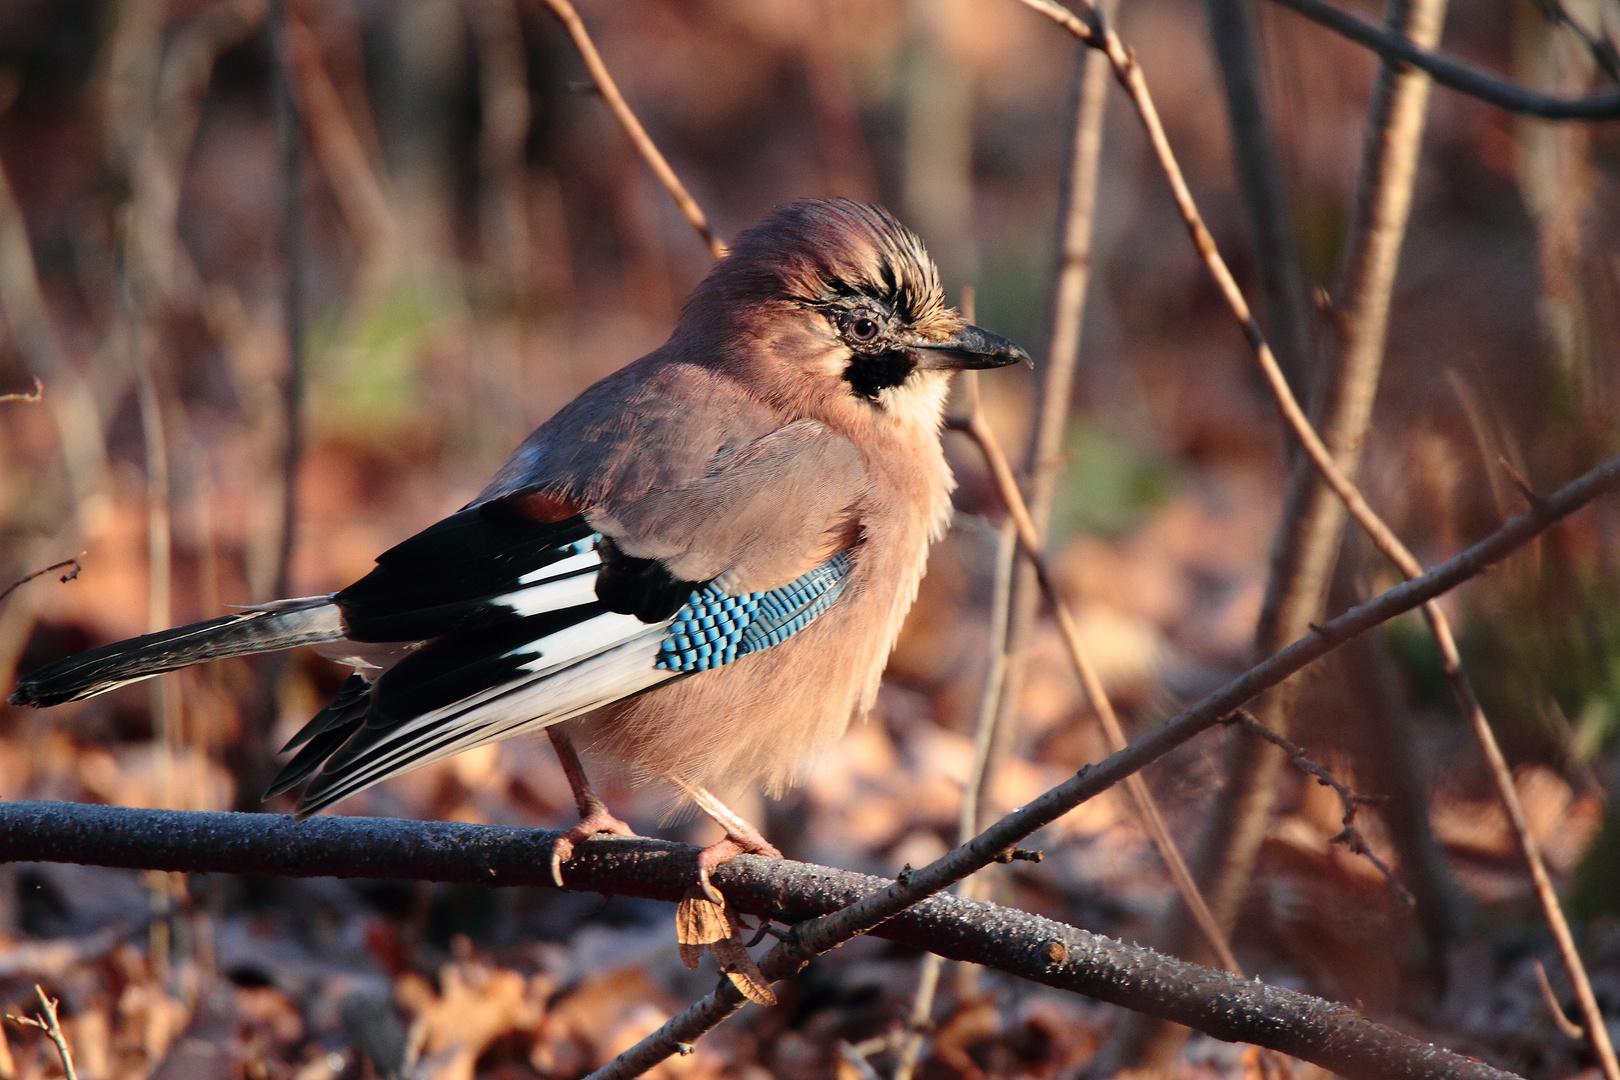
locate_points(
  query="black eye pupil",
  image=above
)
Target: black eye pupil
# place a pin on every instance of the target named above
(863, 330)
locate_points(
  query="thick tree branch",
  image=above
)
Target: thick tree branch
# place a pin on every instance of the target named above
(1030, 947)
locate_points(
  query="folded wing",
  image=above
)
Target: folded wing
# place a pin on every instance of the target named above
(533, 608)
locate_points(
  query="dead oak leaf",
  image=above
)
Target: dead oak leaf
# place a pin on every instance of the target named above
(701, 924)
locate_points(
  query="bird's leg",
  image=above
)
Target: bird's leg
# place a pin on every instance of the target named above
(594, 816)
(741, 837)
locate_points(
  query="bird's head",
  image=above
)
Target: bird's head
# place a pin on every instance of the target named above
(836, 305)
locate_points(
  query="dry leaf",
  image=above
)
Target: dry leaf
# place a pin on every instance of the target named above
(603, 1015)
(701, 923)
(744, 974)
(476, 1004)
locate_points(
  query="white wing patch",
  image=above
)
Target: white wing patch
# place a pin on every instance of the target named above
(575, 669)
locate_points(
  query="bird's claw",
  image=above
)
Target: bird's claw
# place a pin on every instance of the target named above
(561, 852)
(595, 823)
(708, 887)
(723, 852)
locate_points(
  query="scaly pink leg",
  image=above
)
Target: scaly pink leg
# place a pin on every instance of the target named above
(594, 816)
(741, 837)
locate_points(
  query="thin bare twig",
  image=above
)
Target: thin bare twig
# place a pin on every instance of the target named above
(857, 1061)
(1454, 74)
(29, 396)
(1018, 943)
(632, 127)
(1555, 1007)
(1130, 75)
(1390, 753)
(978, 429)
(1462, 689)
(1349, 835)
(47, 1022)
(1599, 48)
(1311, 532)
(26, 578)
(1044, 459)
(1016, 595)
(290, 137)
(341, 155)
(969, 820)
(1280, 275)
(920, 1020)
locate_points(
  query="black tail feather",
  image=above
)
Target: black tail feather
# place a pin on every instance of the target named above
(284, 625)
(324, 735)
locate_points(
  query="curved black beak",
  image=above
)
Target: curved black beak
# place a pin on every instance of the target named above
(971, 347)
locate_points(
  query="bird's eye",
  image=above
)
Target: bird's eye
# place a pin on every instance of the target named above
(861, 328)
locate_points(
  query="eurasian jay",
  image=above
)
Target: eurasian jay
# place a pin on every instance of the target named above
(698, 567)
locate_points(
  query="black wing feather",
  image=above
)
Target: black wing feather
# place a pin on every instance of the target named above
(441, 580)
(439, 586)
(641, 587)
(454, 668)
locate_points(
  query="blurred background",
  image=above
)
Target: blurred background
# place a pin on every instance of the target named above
(475, 241)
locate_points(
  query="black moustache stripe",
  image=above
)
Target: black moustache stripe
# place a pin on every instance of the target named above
(870, 375)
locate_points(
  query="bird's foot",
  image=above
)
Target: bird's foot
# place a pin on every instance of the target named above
(595, 823)
(749, 843)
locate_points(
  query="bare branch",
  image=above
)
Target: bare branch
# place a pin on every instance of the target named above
(1044, 457)
(1454, 74)
(47, 1022)
(279, 27)
(1349, 836)
(26, 578)
(1562, 1021)
(1024, 945)
(1519, 481)
(632, 127)
(978, 428)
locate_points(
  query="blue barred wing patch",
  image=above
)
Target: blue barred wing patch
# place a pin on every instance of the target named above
(713, 628)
